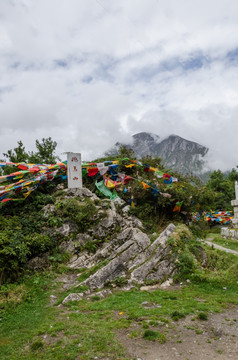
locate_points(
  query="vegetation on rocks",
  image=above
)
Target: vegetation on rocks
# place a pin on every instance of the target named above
(26, 231)
(23, 237)
(81, 228)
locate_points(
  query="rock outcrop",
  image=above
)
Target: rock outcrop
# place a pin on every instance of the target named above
(114, 243)
(132, 257)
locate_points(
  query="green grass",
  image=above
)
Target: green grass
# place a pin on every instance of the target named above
(154, 335)
(32, 329)
(218, 239)
(19, 322)
(227, 243)
(202, 316)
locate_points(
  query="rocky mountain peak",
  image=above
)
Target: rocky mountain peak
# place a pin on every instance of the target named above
(145, 136)
(177, 153)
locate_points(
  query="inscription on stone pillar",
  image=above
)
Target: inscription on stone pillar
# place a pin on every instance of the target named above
(74, 170)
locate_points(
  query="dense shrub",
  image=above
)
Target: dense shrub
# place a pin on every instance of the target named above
(186, 263)
(80, 213)
(25, 232)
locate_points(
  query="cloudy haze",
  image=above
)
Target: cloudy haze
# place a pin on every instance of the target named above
(89, 73)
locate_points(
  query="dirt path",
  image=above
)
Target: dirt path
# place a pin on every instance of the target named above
(219, 247)
(189, 339)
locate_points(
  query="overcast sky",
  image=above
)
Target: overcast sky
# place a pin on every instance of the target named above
(89, 73)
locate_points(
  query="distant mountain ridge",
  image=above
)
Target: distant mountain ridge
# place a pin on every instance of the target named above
(177, 153)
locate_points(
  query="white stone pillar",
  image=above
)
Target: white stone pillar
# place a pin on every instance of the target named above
(234, 203)
(236, 190)
(74, 170)
(232, 232)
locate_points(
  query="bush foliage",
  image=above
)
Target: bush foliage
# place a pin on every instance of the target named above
(25, 232)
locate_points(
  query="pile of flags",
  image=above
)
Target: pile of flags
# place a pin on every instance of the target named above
(214, 217)
(219, 217)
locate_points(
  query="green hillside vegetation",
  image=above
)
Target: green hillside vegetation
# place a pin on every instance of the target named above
(32, 328)
(25, 232)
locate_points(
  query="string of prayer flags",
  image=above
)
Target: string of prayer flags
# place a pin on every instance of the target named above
(214, 217)
(223, 217)
(34, 174)
(112, 178)
(30, 176)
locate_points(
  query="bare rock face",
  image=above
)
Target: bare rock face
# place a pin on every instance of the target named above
(72, 246)
(113, 226)
(117, 240)
(66, 229)
(71, 193)
(119, 202)
(106, 225)
(72, 297)
(39, 262)
(49, 209)
(117, 267)
(132, 256)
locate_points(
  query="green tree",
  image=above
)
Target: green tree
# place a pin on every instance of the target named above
(125, 152)
(18, 154)
(233, 175)
(155, 162)
(223, 189)
(45, 152)
(216, 181)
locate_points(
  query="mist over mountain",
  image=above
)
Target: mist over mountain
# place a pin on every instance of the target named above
(177, 153)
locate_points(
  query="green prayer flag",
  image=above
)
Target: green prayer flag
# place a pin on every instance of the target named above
(105, 191)
(84, 172)
(159, 173)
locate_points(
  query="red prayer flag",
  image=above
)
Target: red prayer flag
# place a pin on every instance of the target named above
(92, 171)
(22, 167)
(127, 179)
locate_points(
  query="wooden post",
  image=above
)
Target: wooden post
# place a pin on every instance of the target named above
(74, 170)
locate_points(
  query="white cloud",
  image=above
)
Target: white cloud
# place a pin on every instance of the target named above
(90, 73)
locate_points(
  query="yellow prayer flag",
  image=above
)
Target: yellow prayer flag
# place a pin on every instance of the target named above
(152, 169)
(145, 186)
